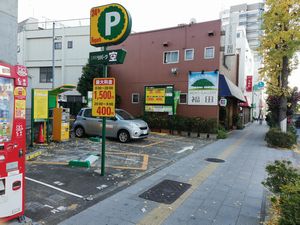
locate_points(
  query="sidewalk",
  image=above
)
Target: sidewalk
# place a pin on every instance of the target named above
(220, 193)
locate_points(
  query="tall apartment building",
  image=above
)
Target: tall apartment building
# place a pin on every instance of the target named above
(249, 16)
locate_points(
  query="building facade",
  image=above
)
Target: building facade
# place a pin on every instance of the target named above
(8, 31)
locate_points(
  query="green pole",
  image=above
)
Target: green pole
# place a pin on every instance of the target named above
(103, 127)
(32, 120)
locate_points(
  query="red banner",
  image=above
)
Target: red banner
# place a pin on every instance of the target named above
(249, 84)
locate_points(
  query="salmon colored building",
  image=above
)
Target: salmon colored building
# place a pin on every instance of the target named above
(165, 57)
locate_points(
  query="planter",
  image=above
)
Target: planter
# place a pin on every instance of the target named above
(212, 136)
(155, 130)
(194, 134)
(165, 131)
(185, 133)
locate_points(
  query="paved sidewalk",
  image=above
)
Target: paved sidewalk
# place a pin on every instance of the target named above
(227, 193)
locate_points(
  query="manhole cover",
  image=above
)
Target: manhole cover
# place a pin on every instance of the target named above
(167, 191)
(215, 160)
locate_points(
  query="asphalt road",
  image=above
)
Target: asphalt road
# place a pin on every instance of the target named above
(56, 191)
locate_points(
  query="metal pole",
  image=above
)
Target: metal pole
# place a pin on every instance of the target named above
(53, 54)
(32, 118)
(103, 127)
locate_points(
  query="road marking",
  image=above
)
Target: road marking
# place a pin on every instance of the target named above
(53, 187)
(33, 155)
(159, 214)
(185, 149)
(49, 163)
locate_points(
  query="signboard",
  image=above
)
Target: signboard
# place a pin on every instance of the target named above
(40, 101)
(249, 83)
(155, 95)
(230, 34)
(108, 57)
(103, 97)
(203, 88)
(109, 25)
(159, 98)
(223, 102)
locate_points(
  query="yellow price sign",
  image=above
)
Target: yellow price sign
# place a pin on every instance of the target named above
(103, 102)
(155, 95)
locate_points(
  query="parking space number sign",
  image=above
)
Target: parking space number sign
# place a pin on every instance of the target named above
(103, 97)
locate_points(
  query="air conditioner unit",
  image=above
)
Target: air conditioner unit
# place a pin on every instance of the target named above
(174, 71)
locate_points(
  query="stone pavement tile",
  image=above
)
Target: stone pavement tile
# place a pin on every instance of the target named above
(228, 212)
(208, 210)
(107, 221)
(178, 217)
(248, 220)
(217, 195)
(252, 202)
(198, 221)
(253, 211)
(224, 220)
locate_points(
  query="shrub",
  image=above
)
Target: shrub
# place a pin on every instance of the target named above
(290, 204)
(222, 134)
(275, 137)
(280, 173)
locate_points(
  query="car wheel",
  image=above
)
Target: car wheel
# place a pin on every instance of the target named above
(79, 131)
(123, 136)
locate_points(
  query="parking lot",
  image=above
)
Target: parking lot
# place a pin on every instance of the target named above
(55, 190)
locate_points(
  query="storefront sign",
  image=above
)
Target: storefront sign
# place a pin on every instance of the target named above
(103, 97)
(155, 95)
(40, 101)
(108, 57)
(249, 83)
(109, 24)
(203, 88)
(223, 102)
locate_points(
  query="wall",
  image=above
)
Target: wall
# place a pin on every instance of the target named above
(8, 31)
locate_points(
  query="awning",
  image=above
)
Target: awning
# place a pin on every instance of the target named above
(62, 89)
(229, 89)
(245, 104)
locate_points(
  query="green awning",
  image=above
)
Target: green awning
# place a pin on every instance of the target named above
(62, 89)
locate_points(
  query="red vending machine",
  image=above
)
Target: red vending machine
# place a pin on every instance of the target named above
(13, 83)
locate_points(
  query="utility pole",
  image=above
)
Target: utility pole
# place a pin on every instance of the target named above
(53, 54)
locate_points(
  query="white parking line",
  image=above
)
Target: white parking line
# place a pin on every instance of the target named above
(53, 187)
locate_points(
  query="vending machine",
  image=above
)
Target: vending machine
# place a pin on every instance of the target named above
(13, 83)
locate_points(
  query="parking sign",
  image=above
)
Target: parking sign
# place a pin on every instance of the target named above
(103, 97)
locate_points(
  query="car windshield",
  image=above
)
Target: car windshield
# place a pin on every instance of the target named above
(123, 115)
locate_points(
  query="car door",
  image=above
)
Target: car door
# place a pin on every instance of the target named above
(92, 124)
(111, 127)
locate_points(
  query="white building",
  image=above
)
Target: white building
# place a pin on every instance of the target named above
(249, 22)
(71, 51)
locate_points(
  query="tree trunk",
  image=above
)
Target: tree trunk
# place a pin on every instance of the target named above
(283, 98)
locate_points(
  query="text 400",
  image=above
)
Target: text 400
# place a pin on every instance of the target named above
(104, 111)
(103, 95)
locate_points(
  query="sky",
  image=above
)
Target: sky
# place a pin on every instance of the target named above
(146, 14)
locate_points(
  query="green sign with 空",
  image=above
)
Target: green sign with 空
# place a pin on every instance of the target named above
(108, 57)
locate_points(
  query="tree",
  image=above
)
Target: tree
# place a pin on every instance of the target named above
(279, 44)
(203, 83)
(89, 72)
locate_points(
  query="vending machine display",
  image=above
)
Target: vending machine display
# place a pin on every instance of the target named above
(13, 82)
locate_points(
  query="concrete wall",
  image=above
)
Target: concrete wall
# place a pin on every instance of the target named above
(8, 31)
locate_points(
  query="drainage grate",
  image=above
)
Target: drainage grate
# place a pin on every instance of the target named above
(215, 160)
(167, 191)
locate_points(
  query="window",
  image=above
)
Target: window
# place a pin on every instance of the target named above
(57, 45)
(238, 35)
(171, 57)
(45, 74)
(135, 98)
(183, 98)
(70, 44)
(188, 54)
(209, 52)
(87, 113)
